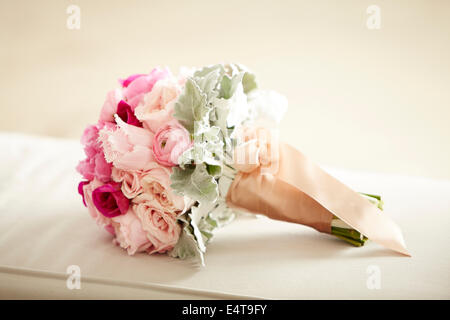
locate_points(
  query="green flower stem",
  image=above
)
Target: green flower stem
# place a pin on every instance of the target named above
(350, 233)
(351, 241)
(353, 236)
(375, 199)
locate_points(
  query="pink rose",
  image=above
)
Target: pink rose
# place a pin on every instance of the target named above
(128, 147)
(109, 200)
(162, 228)
(156, 182)
(170, 141)
(110, 106)
(95, 164)
(136, 86)
(158, 105)
(130, 180)
(129, 233)
(87, 189)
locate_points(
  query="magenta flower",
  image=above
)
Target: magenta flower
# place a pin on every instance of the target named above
(81, 191)
(110, 201)
(127, 115)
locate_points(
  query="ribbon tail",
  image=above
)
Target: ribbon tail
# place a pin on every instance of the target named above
(349, 206)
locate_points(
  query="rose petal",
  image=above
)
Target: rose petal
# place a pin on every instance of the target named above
(109, 200)
(81, 191)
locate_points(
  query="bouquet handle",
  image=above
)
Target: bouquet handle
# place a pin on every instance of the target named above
(301, 192)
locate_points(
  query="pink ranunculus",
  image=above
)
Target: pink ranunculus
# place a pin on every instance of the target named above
(110, 106)
(170, 141)
(158, 105)
(95, 164)
(136, 86)
(129, 233)
(87, 189)
(109, 200)
(131, 186)
(156, 182)
(162, 227)
(128, 147)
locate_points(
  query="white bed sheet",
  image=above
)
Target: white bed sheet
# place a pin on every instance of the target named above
(44, 228)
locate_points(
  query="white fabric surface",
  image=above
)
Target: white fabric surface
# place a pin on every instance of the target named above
(44, 228)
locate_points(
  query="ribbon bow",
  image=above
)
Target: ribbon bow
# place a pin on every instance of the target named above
(280, 182)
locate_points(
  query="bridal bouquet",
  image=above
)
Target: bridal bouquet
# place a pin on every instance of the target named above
(173, 157)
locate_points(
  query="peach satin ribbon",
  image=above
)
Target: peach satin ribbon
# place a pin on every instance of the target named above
(301, 192)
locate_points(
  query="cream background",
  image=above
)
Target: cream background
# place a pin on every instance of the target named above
(376, 100)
